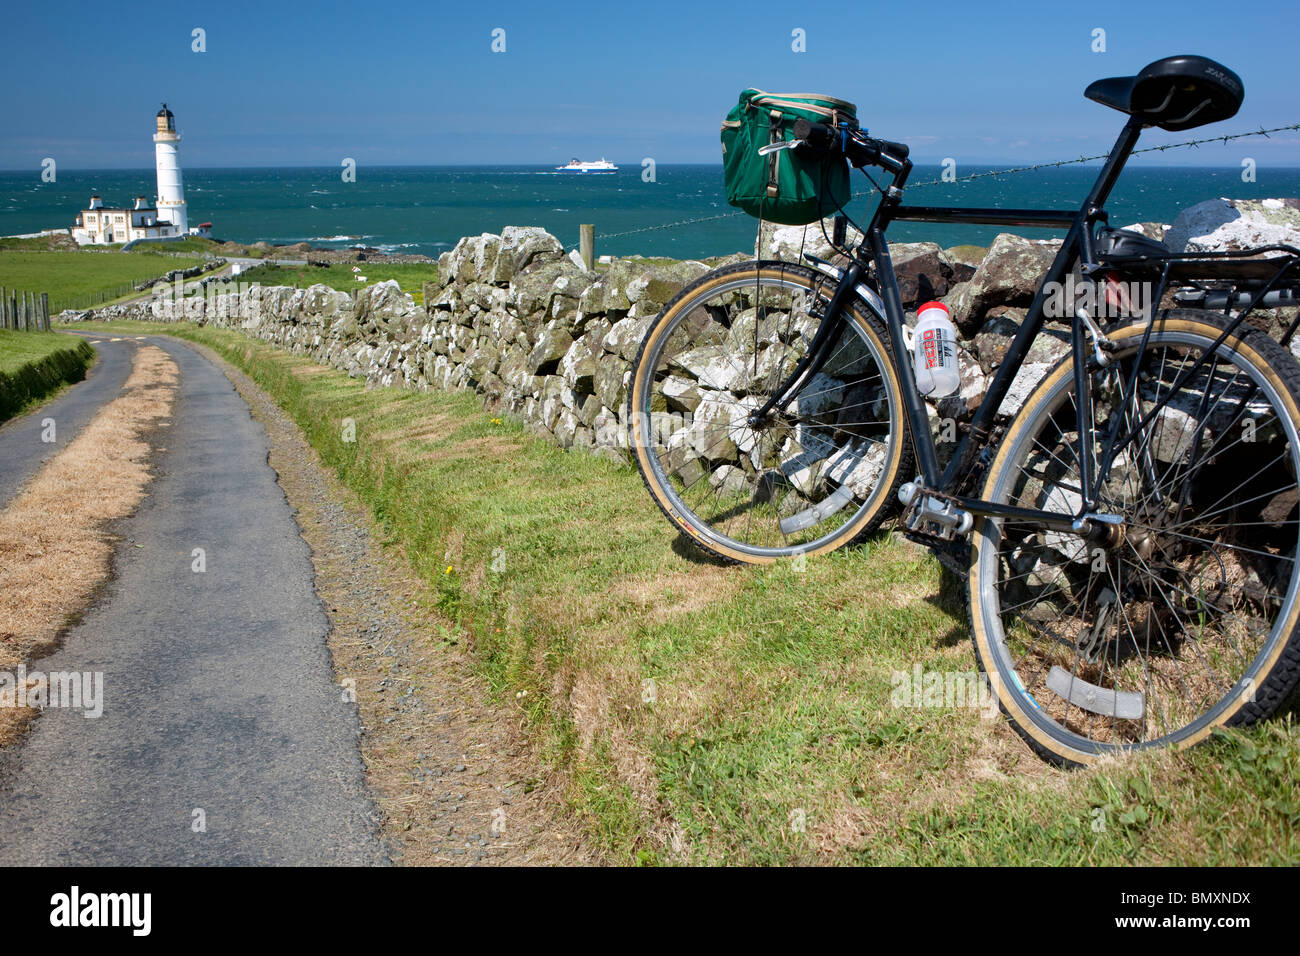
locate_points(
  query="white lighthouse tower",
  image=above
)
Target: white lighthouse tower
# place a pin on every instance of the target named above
(171, 192)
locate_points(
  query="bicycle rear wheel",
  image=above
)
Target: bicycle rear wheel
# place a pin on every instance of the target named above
(1186, 620)
(808, 478)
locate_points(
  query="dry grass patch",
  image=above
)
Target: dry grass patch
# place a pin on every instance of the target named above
(433, 428)
(675, 593)
(55, 550)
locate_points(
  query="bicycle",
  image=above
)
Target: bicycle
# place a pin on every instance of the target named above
(1128, 537)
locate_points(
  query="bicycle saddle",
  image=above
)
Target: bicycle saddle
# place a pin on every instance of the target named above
(1176, 93)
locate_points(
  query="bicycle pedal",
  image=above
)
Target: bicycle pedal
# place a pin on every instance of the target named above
(928, 513)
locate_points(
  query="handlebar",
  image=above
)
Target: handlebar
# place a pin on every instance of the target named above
(859, 149)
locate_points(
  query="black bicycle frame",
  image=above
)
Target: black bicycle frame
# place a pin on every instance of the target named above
(1077, 246)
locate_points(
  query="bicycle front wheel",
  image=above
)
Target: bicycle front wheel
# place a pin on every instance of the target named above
(1185, 618)
(817, 471)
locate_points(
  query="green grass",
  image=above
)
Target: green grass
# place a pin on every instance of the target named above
(37, 242)
(19, 348)
(410, 276)
(767, 735)
(76, 279)
(194, 244)
(36, 365)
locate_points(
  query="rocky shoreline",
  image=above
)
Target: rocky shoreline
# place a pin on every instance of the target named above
(543, 339)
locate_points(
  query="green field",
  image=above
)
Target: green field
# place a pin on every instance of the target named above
(191, 244)
(78, 279)
(36, 365)
(37, 243)
(410, 276)
(711, 714)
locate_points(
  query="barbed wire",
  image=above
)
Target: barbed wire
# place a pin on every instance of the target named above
(1089, 159)
(671, 225)
(992, 173)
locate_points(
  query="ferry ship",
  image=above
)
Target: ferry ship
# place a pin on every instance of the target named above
(576, 165)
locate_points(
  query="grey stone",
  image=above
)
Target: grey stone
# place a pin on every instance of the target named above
(1218, 225)
(552, 345)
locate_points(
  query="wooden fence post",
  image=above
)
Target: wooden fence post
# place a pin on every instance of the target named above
(45, 311)
(4, 307)
(587, 245)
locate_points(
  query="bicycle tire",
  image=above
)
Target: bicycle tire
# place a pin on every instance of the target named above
(649, 370)
(1043, 716)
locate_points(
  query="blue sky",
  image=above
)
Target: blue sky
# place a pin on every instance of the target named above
(385, 82)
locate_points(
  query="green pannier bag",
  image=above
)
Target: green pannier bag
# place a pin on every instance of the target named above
(787, 186)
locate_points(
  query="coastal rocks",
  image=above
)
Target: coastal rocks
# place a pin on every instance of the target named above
(1152, 230)
(963, 261)
(994, 337)
(1047, 350)
(1009, 274)
(1217, 225)
(922, 270)
(788, 243)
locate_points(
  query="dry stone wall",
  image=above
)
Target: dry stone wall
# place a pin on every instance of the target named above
(544, 340)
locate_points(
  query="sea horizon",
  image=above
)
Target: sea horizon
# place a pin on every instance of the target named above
(1137, 162)
(682, 213)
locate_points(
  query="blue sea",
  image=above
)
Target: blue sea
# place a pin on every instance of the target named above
(417, 209)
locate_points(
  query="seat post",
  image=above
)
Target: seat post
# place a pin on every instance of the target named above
(1114, 165)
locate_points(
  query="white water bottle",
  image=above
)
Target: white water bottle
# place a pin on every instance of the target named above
(934, 351)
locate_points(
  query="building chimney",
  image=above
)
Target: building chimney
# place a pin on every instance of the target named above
(96, 202)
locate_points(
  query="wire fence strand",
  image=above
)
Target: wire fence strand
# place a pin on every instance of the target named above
(1089, 159)
(992, 173)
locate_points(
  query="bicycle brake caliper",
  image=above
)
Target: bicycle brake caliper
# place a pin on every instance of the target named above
(1101, 345)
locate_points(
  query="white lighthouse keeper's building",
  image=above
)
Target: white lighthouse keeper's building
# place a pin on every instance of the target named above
(98, 224)
(171, 192)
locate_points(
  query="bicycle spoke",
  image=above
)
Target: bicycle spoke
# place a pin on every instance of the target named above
(1186, 595)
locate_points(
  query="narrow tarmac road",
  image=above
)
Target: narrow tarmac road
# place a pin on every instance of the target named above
(224, 739)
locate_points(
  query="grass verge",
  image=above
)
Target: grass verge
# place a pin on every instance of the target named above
(708, 714)
(35, 365)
